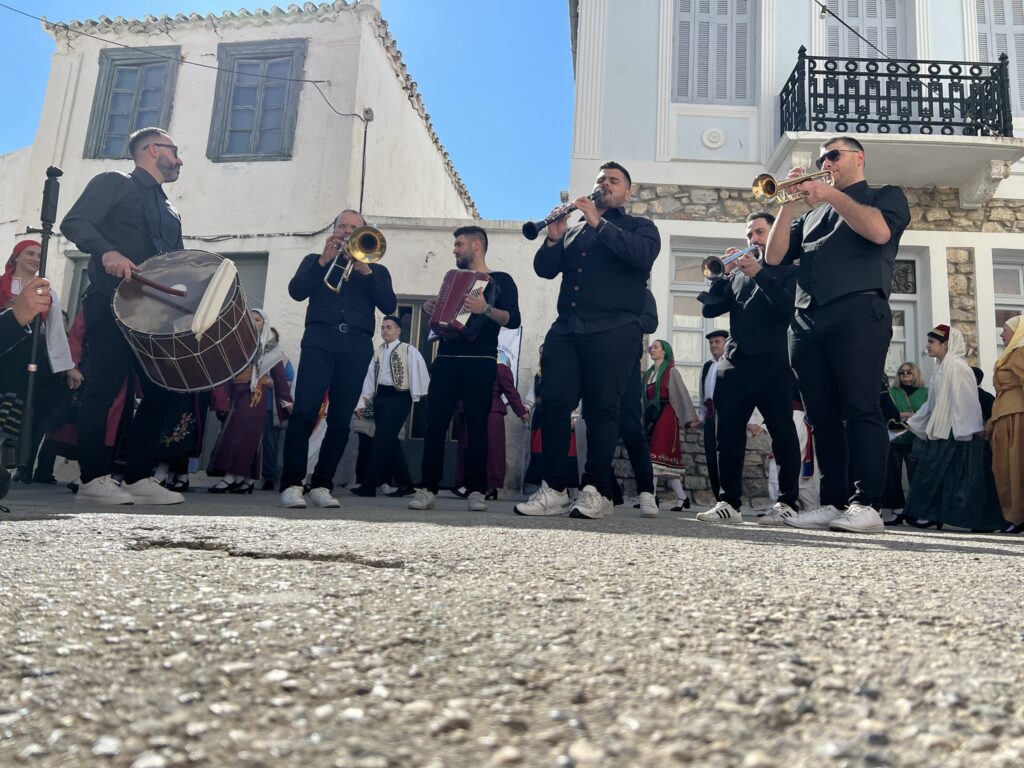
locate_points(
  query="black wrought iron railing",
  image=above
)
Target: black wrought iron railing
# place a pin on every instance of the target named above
(844, 95)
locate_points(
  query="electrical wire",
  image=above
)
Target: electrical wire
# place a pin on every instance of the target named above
(930, 86)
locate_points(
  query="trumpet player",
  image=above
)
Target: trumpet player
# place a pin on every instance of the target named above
(845, 246)
(337, 345)
(754, 372)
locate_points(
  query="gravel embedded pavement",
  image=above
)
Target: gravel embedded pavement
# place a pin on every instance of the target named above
(230, 632)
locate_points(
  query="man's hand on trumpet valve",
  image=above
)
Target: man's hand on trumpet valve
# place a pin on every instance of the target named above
(748, 264)
(818, 192)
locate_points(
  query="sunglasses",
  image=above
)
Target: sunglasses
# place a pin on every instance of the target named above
(832, 156)
(174, 147)
(906, 373)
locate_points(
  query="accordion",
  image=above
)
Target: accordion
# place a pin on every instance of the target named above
(451, 320)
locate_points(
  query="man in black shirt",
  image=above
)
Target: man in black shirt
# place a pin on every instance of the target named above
(464, 369)
(846, 246)
(121, 220)
(336, 349)
(592, 348)
(754, 373)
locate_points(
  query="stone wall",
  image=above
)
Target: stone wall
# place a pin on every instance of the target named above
(963, 306)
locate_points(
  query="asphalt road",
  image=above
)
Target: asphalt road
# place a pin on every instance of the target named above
(230, 632)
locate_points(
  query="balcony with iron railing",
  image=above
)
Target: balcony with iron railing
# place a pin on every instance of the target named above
(923, 123)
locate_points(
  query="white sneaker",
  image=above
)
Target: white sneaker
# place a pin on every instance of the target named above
(858, 518)
(149, 491)
(591, 504)
(291, 497)
(477, 502)
(321, 497)
(648, 505)
(103, 490)
(546, 501)
(814, 519)
(779, 512)
(385, 489)
(722, 512)
(423, 499)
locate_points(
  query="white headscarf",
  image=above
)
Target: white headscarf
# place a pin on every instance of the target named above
(953, 404)
(265, 358)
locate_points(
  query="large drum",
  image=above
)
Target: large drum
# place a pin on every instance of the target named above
(193, 342)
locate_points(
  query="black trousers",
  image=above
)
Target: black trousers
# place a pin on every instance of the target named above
(471, 380)
(711, 454)
(631, 432)
(390, 410)
(108, 364)
(838, 353)
(595, 367)
(899, 454)
(334, 363)
(764, 382)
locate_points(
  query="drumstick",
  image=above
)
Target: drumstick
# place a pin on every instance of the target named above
(161, 288)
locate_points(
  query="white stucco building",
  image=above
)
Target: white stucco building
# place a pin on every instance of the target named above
(697, 98)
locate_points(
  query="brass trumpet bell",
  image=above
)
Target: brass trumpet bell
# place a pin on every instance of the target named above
(766, 189)
(365, 244)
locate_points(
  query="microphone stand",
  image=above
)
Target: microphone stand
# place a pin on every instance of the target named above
(48, 215)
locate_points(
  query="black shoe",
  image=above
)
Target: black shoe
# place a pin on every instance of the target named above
(268, 485)
(462, 492)
(405, 490)
(491, 495)
(240, 487)
(1011, 529)
(5, 481)
(897, 520)
(684, 504)
(73, 486)
(364, 492)
(44, 479)
(218, 488)
(923, 524)
(178, 485)
(22, 475)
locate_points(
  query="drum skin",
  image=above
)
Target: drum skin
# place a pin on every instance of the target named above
(158, 326)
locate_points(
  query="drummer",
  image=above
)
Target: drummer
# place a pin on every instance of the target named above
(121, 220)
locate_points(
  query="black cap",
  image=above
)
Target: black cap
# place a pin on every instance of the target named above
(716, 333)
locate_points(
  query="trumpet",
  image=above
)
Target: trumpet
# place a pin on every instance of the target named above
(532, 228)
(714, 267)
(365, 244)
(766, 189)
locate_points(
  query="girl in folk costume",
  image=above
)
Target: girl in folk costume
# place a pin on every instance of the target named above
(1006, 426)
(953, 481)
(909, 394)
(236, 455)
(395, 379)
(667, 412)
(21, 267)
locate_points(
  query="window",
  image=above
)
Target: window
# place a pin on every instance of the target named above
(1001, 30)
(77, 280)
(134, 90)
(715, 51)
(876, 20)
(256, 101)
(1008, 284)
(688, 324)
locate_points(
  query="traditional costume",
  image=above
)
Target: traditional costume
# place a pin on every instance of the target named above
(534, 475)
(1007, 425)
(953, 482)
(667, 411)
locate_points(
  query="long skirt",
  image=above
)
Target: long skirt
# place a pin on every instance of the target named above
(666, 447)
(495, 452)
(239, 446)
(953, 484)
(1008, 465)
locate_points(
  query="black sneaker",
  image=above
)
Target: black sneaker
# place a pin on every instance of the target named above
(405, 490)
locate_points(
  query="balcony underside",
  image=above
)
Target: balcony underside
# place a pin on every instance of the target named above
(974, 164)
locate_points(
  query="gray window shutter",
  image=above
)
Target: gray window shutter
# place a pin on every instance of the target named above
(1001, 30)
(876, 20)
(714, 51)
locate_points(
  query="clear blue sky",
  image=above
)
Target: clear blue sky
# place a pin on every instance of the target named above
(496, 78)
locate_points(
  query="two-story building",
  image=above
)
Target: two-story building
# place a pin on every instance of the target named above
(698, 97)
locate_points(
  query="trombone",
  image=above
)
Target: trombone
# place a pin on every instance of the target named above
(365, 244)
(714, 267)
(766, 189)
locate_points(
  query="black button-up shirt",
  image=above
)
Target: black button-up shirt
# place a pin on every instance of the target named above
(760, 309)
(127, 213)
(604, 271)
(834, 260)
(354, 305)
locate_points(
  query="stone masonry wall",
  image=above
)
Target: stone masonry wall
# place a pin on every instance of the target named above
(931, 209)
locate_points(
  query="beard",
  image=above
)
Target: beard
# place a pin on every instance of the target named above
(169, 169)
(462, 262)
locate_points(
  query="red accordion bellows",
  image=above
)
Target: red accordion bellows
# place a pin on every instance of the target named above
(450, 318)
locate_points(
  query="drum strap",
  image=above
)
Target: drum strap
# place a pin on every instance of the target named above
(151, 209)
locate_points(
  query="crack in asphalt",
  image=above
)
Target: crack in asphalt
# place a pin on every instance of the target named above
(206, 545)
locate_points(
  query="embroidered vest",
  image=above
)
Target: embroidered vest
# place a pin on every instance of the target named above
(398, 363)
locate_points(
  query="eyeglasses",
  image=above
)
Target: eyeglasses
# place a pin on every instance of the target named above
(832, 156)
(174, 147)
